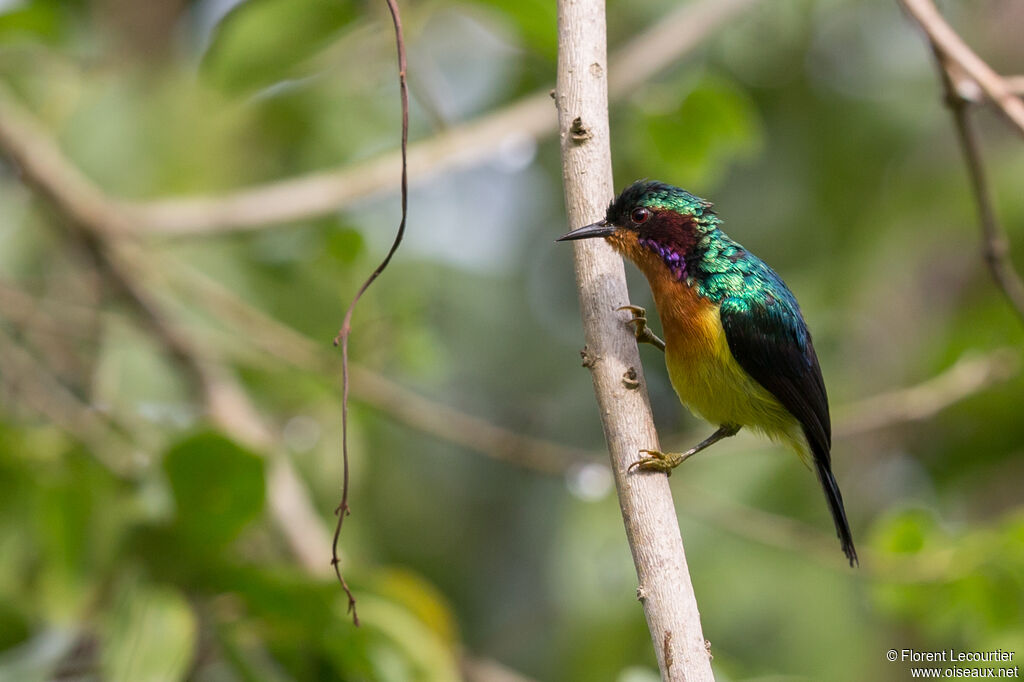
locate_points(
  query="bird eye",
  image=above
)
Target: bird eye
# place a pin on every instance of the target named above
(639, 215)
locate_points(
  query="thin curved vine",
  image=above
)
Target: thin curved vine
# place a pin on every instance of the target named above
(341, 339)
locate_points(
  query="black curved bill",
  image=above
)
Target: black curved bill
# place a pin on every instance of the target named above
(599, 229)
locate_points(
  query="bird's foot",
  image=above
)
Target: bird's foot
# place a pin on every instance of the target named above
(642, 332)
(656, 460)
(667, 461)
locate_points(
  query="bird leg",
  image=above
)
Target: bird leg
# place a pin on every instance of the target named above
(642, 332)
(655, 460)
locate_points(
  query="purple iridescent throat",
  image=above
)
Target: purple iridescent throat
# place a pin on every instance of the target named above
(674, 260)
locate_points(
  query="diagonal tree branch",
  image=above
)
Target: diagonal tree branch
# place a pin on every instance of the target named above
(961, 69)
(952, 49)
(317, 194)
(995, 244)
(966, 377)
(83, 214)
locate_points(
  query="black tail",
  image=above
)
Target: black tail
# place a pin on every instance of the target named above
(835, 505)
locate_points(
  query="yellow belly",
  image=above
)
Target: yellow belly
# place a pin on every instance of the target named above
(710, 382)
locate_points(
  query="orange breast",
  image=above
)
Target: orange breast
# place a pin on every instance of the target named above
(690, 322)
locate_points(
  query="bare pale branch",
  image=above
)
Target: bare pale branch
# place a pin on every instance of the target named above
(961, 69)
(652, 529)
(950, 46)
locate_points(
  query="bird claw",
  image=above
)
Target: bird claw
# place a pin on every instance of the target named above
(639, 319)
(656, 460)
(641, 331)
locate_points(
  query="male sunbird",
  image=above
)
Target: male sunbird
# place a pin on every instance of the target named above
(737, 348)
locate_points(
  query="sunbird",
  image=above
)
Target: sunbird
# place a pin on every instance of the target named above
(736, 346)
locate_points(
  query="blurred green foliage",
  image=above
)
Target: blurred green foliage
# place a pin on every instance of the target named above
(244, 55)
(138, 542)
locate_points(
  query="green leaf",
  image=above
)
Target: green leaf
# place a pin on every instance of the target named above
(218, 489)
(150, 635)
(398, 644)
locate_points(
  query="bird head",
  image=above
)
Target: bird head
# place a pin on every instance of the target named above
(655, 225)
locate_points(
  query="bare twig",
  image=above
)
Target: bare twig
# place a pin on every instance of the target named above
(460, 146)
(951, 47)
(652, 528)
(346, 326)
(995, 244)
(960, 69)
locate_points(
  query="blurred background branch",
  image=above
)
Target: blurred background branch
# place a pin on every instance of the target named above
(1015, 84)
(966, 377)
(963, 74)
(465, 145)
(84, 210)
(952, 50)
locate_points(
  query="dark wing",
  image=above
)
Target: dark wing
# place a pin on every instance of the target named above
(770, 341)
